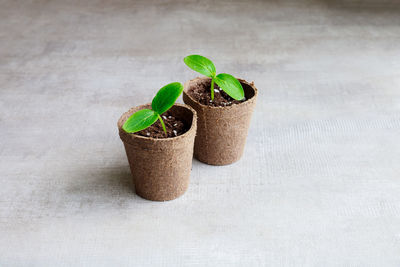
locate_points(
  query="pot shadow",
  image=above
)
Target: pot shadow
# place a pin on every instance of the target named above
(103, 187)
(108, 187)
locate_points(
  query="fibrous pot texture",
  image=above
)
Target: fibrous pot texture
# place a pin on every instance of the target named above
(221, 131)
(161, 167)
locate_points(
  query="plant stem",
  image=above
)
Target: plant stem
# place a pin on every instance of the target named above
(162, 123)
(212, 89)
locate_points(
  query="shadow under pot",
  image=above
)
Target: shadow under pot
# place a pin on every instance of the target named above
(221, 131)
(161, 167)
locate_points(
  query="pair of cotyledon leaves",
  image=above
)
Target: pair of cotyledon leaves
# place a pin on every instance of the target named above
(225, 81)
(163, 101)
(168, 94)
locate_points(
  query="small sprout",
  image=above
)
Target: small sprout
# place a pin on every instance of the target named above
(163, 101)
(226, 82)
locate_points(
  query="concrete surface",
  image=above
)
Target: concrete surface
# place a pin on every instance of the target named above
(319, 184)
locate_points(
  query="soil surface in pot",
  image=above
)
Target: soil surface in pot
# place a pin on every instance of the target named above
(174, 127)
(201, 92)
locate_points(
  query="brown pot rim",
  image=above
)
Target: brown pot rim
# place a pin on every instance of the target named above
(247, 102)
(121, 122)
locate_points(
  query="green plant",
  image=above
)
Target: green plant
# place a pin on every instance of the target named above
(163, 101)
(226, 82)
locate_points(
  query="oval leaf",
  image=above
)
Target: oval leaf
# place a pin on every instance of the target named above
(166, 97)
(200, 64)
(140, 120)
(230, 85)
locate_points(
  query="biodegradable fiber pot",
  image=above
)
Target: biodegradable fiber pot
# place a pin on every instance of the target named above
(161, 167)
(221, 131)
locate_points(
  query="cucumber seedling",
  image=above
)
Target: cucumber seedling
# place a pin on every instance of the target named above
(163, 101)
(226, 82)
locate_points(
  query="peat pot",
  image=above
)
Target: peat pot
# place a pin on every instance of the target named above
(160, 167)
(221, 131)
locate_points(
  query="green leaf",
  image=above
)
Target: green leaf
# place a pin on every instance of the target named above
(230, 85)
(200, 64)
(140, 120)
(166, 97)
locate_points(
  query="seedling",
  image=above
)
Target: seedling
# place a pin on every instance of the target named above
(226, 82)
(163, 101)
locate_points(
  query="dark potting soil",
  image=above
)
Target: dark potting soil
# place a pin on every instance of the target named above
(201, 92)
(174, 127)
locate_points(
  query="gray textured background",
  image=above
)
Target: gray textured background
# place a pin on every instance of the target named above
(319, 183)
